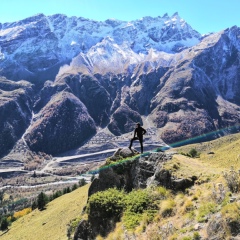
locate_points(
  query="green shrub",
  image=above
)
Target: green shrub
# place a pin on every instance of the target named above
(196, 236)
(204, 210)
(135, 206)
(139, 206)
(131, 219)
(137, 201)
(107, 203)
(192, 153)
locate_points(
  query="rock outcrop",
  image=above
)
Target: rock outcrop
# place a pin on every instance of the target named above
(139, 172)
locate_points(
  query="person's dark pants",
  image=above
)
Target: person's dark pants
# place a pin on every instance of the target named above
(140, 141)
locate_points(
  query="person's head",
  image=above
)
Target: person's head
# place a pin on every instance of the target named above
(138, 124)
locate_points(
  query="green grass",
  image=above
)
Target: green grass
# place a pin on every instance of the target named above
(49, 224)
(206, 209)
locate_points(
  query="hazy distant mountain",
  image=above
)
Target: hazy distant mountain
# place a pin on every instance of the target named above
(85, 74)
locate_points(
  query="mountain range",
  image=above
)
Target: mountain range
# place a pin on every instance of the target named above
(62, 78)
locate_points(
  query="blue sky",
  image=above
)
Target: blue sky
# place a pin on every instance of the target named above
(203, 15)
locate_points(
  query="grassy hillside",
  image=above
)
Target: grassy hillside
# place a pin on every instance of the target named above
(50, 224)
(215, 157)
(209, 207)
(180, 216)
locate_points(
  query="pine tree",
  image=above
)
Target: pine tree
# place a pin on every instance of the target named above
(4, 224)
(68, 190)
(42, 201)
(74, 187)
(1, 196)
(82, 182)
(34, 205)
(57, 194)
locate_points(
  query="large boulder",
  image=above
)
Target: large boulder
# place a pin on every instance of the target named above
(123, 153)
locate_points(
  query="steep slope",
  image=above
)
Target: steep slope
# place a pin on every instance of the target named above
(15, 111)
(62, 124)
(201, 93)
(207, 209)
(51, 223)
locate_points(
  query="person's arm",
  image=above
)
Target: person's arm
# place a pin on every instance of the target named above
(144, 131)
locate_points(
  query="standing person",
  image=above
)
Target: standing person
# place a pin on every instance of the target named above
(139, 131)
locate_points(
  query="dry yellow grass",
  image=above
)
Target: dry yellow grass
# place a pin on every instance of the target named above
(190, 208)
(225, 152)
(50, 224)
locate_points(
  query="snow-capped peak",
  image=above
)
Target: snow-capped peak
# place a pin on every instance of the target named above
(58, 38)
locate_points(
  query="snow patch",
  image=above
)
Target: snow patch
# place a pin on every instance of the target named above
(73, 43)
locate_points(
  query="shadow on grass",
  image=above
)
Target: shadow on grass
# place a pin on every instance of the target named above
(5, 232)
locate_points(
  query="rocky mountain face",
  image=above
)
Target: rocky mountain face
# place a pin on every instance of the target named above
(15, 111)
(35, 48)
(63, 117)
(81, 74)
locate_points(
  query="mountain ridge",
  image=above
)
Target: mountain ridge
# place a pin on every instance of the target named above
(69, 36)
(185, 84)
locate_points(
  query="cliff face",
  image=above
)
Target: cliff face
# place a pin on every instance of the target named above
(15, 111)
(197, 92)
